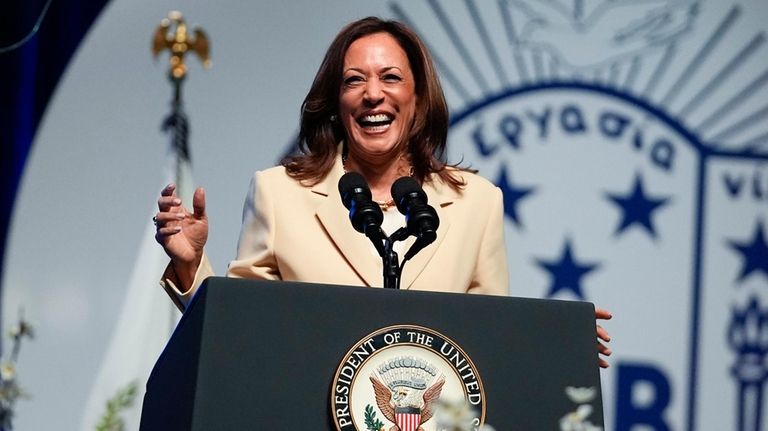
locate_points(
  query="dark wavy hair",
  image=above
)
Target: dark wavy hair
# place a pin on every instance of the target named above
(319, 134)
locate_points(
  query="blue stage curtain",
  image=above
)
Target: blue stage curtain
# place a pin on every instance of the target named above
(28, 77)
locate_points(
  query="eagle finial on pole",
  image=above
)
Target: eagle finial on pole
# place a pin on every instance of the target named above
(172, 35)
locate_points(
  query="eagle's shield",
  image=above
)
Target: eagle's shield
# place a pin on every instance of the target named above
(407, 418)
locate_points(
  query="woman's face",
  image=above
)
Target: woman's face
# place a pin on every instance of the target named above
(378, 99)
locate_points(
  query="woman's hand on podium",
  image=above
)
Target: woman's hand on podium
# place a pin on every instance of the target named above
(182, 234)
(603, 336)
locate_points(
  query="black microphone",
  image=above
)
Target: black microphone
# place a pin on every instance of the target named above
(421, 219)
(364, 213)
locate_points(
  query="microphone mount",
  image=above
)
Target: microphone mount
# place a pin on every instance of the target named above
(392, 268)
(366, 217)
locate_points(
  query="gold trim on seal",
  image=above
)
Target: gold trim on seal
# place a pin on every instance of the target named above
(398, 328)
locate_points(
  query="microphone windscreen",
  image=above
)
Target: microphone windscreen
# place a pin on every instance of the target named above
(350, 183)
(403, 187)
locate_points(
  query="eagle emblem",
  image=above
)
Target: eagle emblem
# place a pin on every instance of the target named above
(172, 35)
(405, 392)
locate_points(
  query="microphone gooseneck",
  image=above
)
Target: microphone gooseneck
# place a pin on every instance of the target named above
(366, 217)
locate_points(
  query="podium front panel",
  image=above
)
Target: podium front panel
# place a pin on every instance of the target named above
(263, 355)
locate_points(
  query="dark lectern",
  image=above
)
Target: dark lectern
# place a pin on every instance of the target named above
(263, 355)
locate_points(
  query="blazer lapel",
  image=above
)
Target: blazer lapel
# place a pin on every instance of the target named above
(334, 217)
(356, 248)
(440, 197)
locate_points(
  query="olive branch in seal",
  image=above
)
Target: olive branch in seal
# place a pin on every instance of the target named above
(371, 422)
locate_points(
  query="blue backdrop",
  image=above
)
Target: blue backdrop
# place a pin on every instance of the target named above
(28, 76)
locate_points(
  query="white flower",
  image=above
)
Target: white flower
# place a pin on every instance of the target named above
(7, 371)
(581, 395)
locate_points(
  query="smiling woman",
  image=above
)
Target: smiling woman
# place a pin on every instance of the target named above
(376, 108)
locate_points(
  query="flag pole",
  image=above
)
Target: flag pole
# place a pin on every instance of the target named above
(177, 125)
(147, 317)
(172, 35)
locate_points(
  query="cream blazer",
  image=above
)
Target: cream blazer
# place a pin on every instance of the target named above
(295, 232)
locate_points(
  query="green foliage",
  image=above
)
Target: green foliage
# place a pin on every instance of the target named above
(124, 398)
(371, 422)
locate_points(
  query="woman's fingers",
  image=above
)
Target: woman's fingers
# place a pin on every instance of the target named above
(603, 314)
(167, 223)
(168, 203)
(169, 190)
(603, 334)
(173, 219)
(167, 231)
(198, 203)
(603, 350)
(163, 233)
(171, 212)
(163, 218)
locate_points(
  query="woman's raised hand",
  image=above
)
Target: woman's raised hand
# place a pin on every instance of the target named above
(182, 234)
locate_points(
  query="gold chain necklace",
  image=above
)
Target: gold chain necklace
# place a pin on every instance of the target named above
(384, 205)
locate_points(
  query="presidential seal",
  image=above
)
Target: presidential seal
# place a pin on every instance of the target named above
(397, 379)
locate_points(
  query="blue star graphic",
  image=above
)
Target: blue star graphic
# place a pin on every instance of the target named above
(512, 195)
(754, 253)
(637, 208)
(566, 272)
